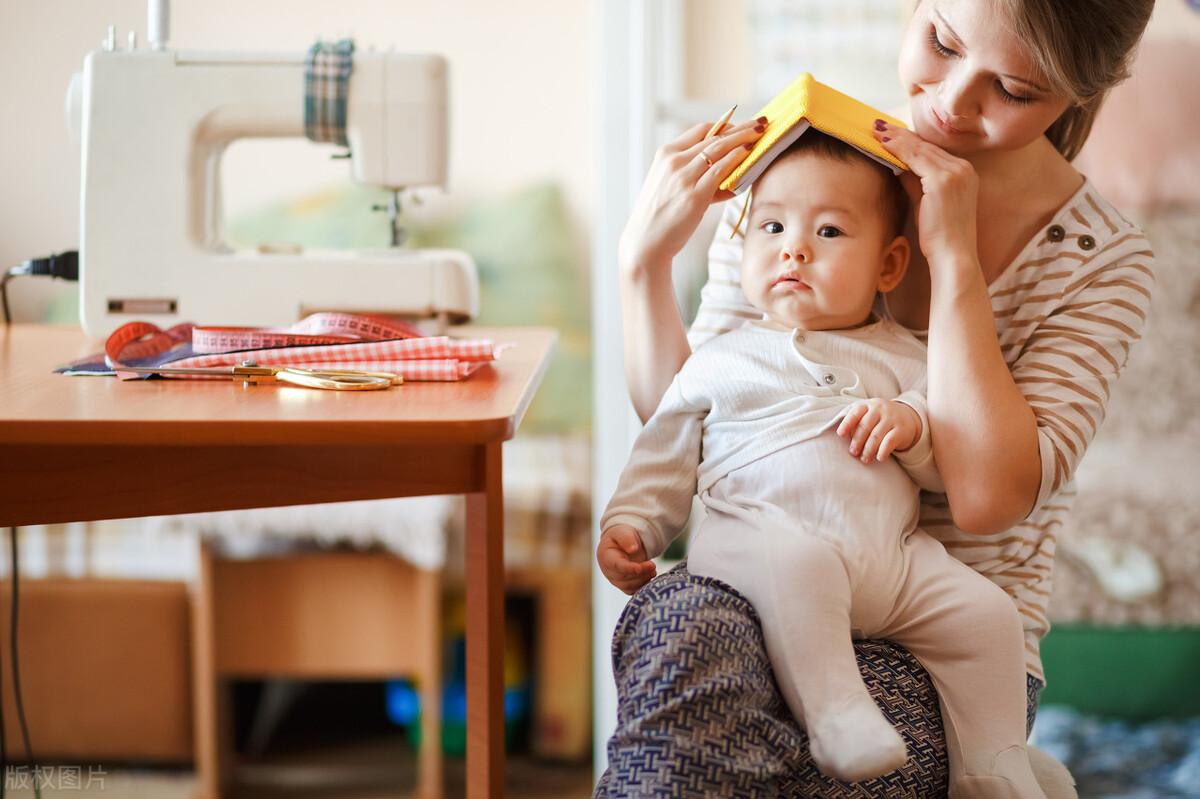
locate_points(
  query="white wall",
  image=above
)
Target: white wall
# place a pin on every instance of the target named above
(520, 92)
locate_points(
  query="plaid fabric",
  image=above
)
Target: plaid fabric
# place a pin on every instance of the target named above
(327, 69)
(699, 713)
(429, 371)
(421, 349)
(435, 358)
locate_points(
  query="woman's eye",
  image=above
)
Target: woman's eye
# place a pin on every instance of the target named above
(937, 45)
(772, 227)
(828, 232)
(1009, 97)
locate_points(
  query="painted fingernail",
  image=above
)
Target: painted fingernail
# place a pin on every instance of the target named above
(761, 120)
(880, 125)
(886, 138)
(748, 145)
(759, 128)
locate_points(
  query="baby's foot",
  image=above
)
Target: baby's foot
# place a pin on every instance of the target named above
(1012, 778)
(855, 742)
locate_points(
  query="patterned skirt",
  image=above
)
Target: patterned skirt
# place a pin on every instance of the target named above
(699, 713)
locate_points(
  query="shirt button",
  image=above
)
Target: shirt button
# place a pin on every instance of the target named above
(1086, 242)
(800, 339)
(829, 380)
(1056, 233)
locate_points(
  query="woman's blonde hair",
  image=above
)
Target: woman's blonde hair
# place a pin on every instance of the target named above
(1083, 48)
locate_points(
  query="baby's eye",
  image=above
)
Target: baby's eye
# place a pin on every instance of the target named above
(772, 227)
(828, 232)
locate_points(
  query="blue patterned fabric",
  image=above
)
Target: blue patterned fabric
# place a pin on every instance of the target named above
(327, 68)
(699, 713)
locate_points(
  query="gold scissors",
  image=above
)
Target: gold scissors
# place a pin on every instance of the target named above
(250, 372)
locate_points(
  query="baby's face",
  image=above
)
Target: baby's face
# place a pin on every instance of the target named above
(816, 242)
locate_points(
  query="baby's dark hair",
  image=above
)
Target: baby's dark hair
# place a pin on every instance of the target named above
(893, 201)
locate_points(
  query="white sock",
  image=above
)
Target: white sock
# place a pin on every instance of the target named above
(854, 741)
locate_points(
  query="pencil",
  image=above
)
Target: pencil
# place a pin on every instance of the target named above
(720, 123)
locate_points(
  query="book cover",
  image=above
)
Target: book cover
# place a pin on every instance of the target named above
(806, 103)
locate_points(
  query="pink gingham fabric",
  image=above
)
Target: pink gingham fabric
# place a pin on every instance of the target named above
(419, 358)
(434, 358)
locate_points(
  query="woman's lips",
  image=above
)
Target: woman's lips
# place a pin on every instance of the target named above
(942, 124)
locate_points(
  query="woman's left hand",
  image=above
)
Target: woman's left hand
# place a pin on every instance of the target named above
(943, 189)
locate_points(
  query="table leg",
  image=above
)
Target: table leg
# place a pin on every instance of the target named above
(485, 631)
(211, 700)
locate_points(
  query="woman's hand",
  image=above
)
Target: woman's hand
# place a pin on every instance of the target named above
(683, 182)
(879, 427)
(944, 191)
(623, 560)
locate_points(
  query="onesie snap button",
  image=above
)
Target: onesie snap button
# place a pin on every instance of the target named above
(1056, 233)
(1086, 242)
(829, 379)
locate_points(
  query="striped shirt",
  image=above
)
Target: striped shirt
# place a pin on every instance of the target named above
(1067, 311)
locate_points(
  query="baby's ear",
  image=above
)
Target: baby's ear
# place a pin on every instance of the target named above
(895, 264)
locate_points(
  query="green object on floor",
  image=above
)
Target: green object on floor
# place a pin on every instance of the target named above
(1133, 673)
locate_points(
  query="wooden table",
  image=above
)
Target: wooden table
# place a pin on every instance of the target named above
(88, 448)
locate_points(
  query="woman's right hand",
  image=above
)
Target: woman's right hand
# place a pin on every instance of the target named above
(683, 182)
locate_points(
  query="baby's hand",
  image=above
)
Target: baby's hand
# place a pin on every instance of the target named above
(623, 559)
(880, 427)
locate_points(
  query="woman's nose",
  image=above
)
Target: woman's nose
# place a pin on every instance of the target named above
(958, 101)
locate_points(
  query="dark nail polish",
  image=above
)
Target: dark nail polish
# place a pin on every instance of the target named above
(761, 120)
(748, 146)
(759, 128)
(886, 138)
(880, 125)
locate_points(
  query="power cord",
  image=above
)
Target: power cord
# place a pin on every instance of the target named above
(64, 265)
(3, 746)
(16, 671)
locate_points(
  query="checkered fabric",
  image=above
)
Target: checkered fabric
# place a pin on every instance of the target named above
(699, 713)
(433, 358)
(327, 69)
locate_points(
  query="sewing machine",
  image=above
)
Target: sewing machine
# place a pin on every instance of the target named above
(154, 123)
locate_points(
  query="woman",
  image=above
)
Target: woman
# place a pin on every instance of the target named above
(1029, 290)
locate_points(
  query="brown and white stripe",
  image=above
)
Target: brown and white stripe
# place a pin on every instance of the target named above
(1067, 311)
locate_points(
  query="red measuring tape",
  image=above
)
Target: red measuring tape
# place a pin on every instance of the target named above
(320, 328)
(325, 340)
(137, 340)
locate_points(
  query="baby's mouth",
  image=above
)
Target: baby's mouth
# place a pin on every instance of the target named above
(790, 280)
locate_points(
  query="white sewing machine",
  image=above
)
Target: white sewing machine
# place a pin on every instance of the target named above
(154, 123)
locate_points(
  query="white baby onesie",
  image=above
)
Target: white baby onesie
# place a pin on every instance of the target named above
(823, 544)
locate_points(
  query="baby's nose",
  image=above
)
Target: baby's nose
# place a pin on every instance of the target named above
(795, 253)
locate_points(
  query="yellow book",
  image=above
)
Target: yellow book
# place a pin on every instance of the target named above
(809, 103)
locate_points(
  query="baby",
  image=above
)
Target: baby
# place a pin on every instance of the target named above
(825, 545)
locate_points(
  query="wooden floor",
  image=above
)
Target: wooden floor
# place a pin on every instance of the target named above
(378, 768)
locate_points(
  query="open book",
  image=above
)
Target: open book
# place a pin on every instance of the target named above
(809, 103)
